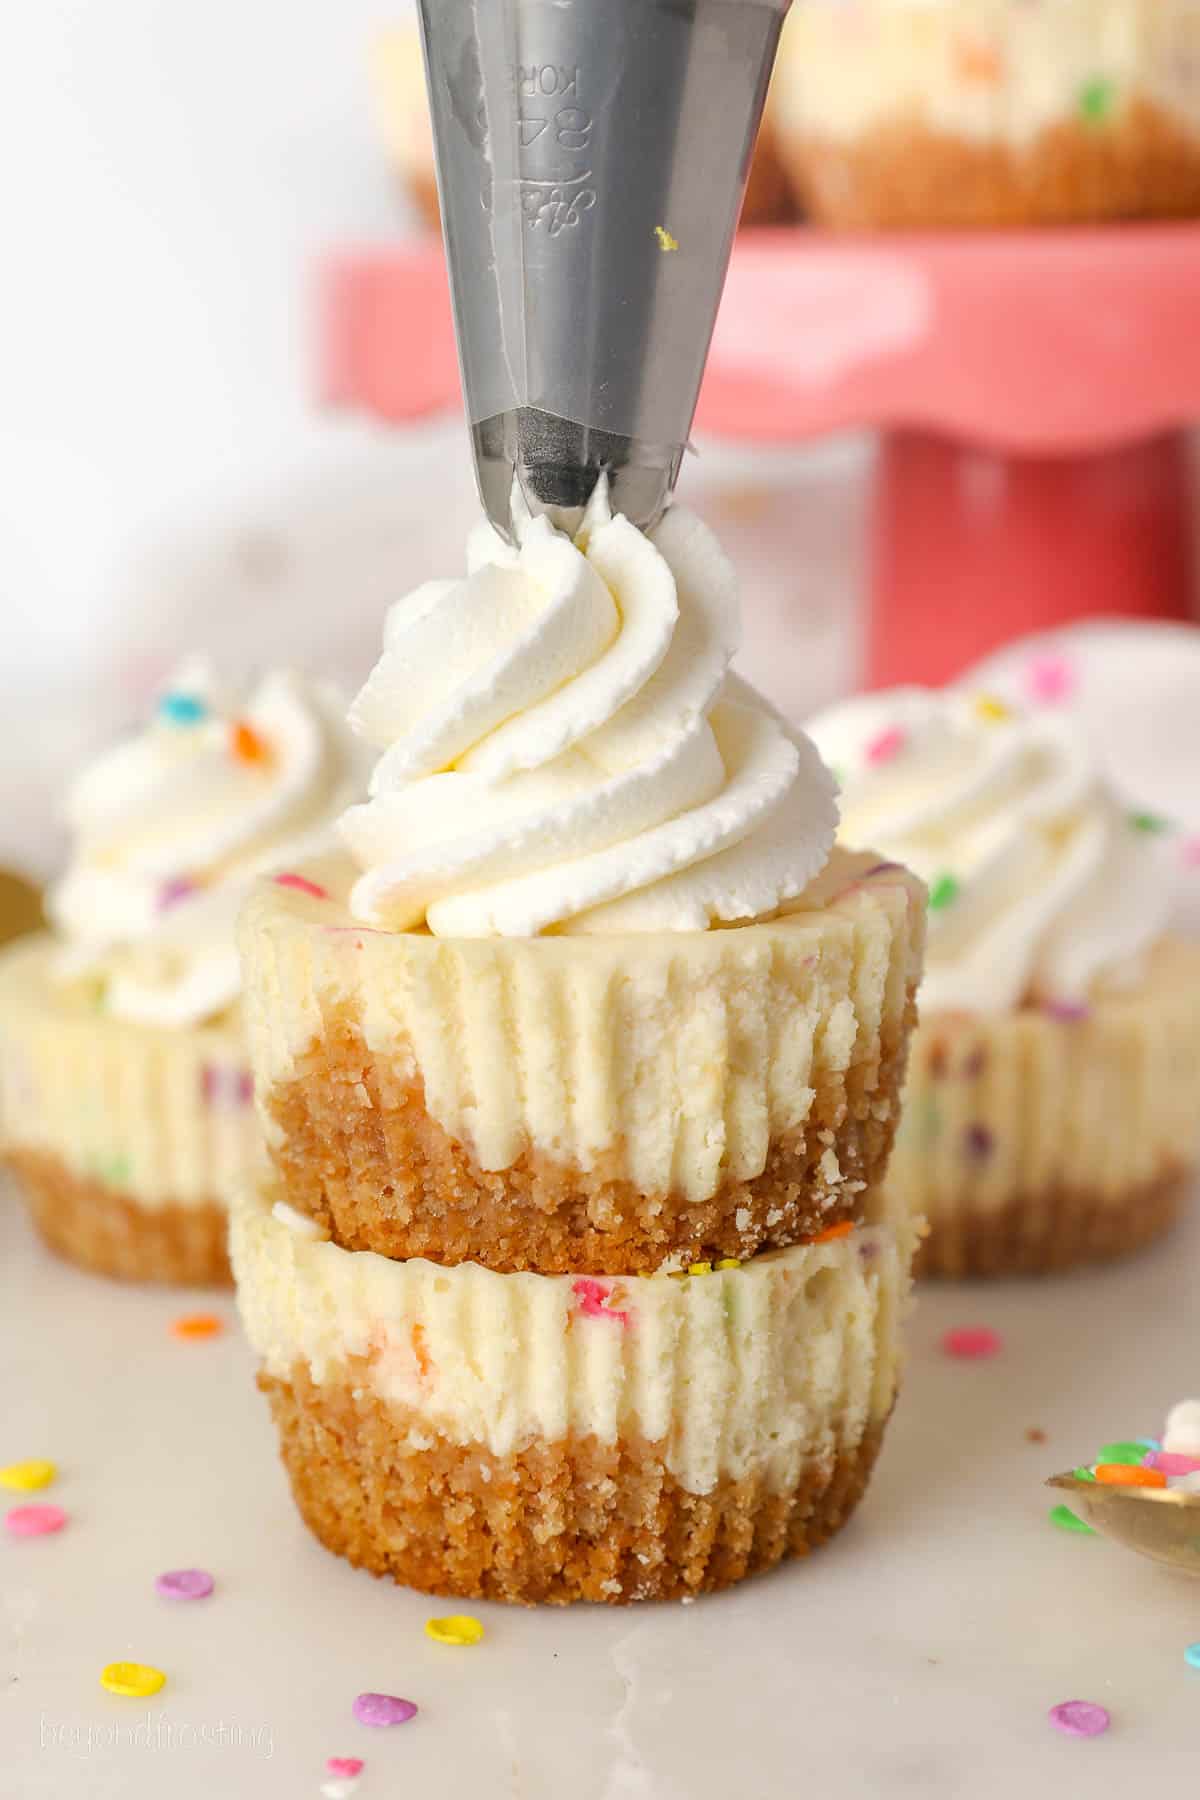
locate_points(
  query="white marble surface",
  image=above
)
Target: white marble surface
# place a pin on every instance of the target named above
(918, 1655)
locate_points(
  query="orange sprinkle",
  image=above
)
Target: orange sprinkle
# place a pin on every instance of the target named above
(1129, 1475)
(248, 746)
(831, 1233)
(197, 1325)
(978, 61)
(421, 1351)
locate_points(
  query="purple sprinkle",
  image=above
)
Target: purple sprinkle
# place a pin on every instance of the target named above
(1069, 1012)
(184, 1584)
(383, 1709)
(978, 1143)
(1171, 1462)
(173, 891)
(1080, 1718)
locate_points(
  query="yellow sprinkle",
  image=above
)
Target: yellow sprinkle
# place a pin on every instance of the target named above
(135, 1681)
(994, 711)
(699, 1268)
(677, 1274)
(459, 1628)
(665, 240)
(26, 1476)
(729, 1262)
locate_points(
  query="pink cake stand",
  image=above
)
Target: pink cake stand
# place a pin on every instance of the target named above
(1032, 392)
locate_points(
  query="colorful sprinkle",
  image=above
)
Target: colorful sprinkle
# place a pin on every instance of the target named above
(173, 891)
(943, 892)
(383, 1709)
(1190, 852)
(665, 240)
(1067, 1012)
(182, 709)
(1096, 100)
(1191, 1656)
(978, 1143)
(1034, 1435)
(1049, 680)
(700, 1268)
(976, 1063)
(1080, 1718)
(420, 1350)
(184, 1584)
(347, 1766)
(1123, 1451)
(302, 885)
(226, 1086)
(593, 1296)
(457, 1628)
(1066, 1520)
(729, 1262)
(248, 745)
(1082, 1474)
(34, 1521)
(972, 1343)
(991, 710)
(886, 746)
(27, 1477)
(1121, 1475)
(832, 1233)
(978, 61)
(133, 1681)
(1153, 824)
(197, 1325)
(1171, 1462)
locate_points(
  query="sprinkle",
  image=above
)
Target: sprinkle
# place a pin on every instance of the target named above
(184, 1584)
(939, 1062)
(1171, 1462)
(1082, 1474)
(224, 1086)
(972, 1343)
(978, 61)
(1134, 1454)
(1190, 852)
(592, 1296)
(26, 1477)
(1067, 1012)
(665, 241)
(302, 885)
(420, 1350)
(1191, 1656)
(197, 1325)
(34, 1521)
(383, 1709)
(1034, 1435)
(991, 710)
(1080, 1718)
(978, 1143)
(1049, 680)
(886, 746)
(337, 1790)
(1121, 1475)
(348, 1766)
(1153, 824)
(134, 1681)
(172, 892)
(248, 745)
(729, 1262)
(832, 1233)
(1066, 1520)
(700, 1268)
(457, 1629)
(1096, 99)
(182, 709)
(976, 1063)
(943, 892)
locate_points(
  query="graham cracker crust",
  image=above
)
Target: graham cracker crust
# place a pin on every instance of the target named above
(110, 1233)
(1045, 1233)
(905, 176)
(357, 1151)
(555, 1523)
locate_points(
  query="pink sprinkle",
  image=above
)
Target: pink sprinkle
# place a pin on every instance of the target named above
(1067, 1012)
(592, 1295)
(887, 745)
(34, 1521)
(184, 1584)
(173, 891)
(1190, 852)
(226, 1087)
(972, 1343)
(347, 1766)
(1171, 1462)
(383, 1709)
(1080, 1718)
(1050, 680)
(302, 885)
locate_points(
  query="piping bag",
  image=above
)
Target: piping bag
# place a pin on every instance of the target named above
(592, 157)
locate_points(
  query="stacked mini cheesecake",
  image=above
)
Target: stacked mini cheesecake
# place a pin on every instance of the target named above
(568, 1275)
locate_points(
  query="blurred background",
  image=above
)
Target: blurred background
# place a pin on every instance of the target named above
(177, 181)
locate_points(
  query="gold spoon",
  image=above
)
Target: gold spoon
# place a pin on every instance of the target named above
(1163, 1523)
(20, 906)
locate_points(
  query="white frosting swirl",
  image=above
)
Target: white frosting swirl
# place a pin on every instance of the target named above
(564, 749)
(1041, 884)
(174, 825)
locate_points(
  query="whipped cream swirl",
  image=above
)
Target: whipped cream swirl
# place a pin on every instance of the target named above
(1040, 883)
(173, 826)
(564, 749)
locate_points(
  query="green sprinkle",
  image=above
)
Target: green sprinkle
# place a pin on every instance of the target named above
(1132, 1455)
(1083, 1474)
(942, 893)
(1150, 822)
(1096, 98)
(1066, 1520)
